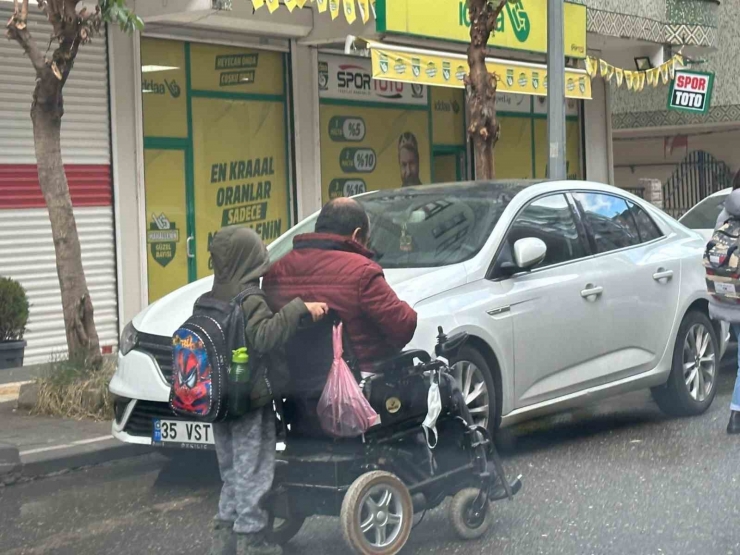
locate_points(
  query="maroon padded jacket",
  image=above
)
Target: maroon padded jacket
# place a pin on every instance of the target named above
(341, 273)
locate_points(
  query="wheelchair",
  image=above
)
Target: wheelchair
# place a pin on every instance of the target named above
(377, 483)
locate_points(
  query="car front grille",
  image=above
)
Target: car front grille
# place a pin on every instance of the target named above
(160, 348)
(141, 421)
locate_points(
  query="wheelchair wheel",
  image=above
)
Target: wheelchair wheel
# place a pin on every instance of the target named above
(468, 523)
(377, 514)
(281, 530)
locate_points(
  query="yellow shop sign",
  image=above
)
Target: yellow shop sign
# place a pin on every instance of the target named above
(410, 65)
(522, 24)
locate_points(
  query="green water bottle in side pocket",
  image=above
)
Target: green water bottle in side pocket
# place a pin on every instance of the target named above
(239, 378)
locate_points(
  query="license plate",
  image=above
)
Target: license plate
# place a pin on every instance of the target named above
(187, 435)
(726, 288)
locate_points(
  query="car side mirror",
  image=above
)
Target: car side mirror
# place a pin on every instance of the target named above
(529, 252)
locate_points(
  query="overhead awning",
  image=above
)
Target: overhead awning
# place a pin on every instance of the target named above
(443, 69)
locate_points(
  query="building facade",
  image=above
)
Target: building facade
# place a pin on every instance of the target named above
(244, 117)
(692, 154)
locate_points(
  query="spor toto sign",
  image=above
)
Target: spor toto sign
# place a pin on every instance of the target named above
(691, 91)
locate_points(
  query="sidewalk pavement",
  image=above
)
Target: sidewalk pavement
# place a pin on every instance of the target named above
(33, 446)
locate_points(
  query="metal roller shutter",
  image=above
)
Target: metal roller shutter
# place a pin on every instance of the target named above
(26, 247)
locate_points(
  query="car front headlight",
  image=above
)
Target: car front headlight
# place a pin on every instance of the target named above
(129, 338)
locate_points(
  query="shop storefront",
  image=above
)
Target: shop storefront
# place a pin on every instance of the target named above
(215, 152)
(259, 117)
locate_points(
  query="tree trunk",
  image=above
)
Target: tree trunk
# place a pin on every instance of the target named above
(481, 87)
(46, 112)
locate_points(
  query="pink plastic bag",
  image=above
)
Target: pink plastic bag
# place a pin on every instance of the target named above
(343, 410)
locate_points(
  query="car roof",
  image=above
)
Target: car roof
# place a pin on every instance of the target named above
(723, 192)
(471, 188)
(534, 187)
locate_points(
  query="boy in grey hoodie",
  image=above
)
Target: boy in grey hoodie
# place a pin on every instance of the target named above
(245, 447)
(730, 312)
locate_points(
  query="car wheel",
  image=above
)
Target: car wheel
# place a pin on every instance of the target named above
(692, 384)
(475, 379)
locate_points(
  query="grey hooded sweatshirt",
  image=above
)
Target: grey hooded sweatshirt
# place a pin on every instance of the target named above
(719, 310)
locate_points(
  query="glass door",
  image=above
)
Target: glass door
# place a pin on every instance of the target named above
(216, 152)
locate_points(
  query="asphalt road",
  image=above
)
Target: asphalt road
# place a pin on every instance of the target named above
(619, 478)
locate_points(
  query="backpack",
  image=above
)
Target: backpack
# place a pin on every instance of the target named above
(722, 262)
(201, 359)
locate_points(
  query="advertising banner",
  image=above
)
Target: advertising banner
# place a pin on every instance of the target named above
(691, 91)
(522, 24)
(448, 117)
(163, 88)
(216, 152)
(367, 148)
(236, 70)
(240, 170)
(512, 156)
(420, 67)
(346, 78)
(166, 214)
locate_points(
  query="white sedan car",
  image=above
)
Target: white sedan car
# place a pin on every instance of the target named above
(703, 215)
(570, 291)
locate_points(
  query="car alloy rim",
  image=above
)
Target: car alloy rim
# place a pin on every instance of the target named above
(472, 383)
(699, 362)
(381, 516)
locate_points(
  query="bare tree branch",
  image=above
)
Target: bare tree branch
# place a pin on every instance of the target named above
(17, 29)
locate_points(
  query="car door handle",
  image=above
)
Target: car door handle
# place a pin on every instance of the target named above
(592, 291)
(662, 273)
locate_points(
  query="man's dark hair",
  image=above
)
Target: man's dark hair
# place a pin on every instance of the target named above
(341, 217)
(736, 181)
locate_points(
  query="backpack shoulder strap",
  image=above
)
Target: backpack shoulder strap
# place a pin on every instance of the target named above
(250, 290)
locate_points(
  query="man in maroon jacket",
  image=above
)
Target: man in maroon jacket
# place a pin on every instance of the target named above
(334, 266)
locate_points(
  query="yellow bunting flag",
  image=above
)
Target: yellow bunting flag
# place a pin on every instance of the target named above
(619, 73)
(291, 4)
(640, 81)
(364, 6)
(591, 67)
(610, 74)
(272, 5)
(334, 8)
(321, 5)
(664, 73)
(672, 69)
(651, 77)
(629, 77)
(349, 11)
(301, 3)
(257, 4)
(603, 67)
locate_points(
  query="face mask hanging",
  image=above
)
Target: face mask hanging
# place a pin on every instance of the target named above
(434, 409)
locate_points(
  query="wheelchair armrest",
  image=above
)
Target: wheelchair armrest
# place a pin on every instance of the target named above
(400, 360)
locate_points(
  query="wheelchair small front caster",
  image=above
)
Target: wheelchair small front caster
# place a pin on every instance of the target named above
(469, 520)
(281, 530)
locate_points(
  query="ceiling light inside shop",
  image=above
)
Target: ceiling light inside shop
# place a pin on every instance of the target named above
(153, 68)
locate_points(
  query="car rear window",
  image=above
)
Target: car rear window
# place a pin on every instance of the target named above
(704, 215)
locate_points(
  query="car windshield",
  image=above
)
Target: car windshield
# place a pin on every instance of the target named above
(704, 215)
(426, 226)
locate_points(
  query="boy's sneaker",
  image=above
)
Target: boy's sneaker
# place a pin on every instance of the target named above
(223, 541)
(255, 544)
